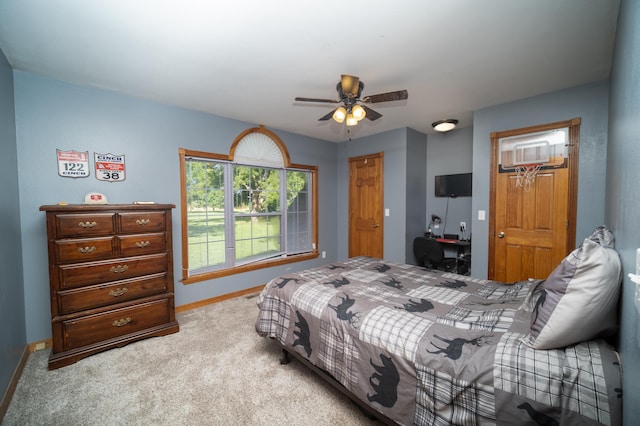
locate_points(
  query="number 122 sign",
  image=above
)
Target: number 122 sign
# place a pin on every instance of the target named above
(110, 167)
(73, 164)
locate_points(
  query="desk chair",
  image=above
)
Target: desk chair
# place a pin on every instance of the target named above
(430, 254)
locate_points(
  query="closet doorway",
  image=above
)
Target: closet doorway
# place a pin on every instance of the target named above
(533, 199)
(366, 221)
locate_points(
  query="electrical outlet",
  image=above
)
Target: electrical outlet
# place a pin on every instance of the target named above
(463, 226)
(324, 254)
(638, 261)
(436, 225)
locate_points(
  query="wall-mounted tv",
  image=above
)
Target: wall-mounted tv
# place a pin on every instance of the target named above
(458, 185)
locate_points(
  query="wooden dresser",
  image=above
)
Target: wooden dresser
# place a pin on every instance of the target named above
(110, 276)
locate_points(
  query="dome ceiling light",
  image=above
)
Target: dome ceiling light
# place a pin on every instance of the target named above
(444, 125)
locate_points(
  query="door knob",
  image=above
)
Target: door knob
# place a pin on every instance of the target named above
(376, 225)
(501, 235)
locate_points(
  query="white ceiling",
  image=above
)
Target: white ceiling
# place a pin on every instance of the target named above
(249, 59)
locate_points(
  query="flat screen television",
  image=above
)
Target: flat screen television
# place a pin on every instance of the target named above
(458, 185)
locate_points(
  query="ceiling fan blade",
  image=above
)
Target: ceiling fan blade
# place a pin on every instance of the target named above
(350, 85)
(386, 97)
(371, 114)
(327, 101)
(326, 117)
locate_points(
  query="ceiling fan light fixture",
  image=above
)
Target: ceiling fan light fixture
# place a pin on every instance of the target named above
(340, 114)
(353, 108)
(358, 112)
(444, 125)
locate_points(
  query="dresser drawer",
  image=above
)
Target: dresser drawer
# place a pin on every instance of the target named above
(80, 275)
(85, 250)
(96, 328)
(135, 245)
(85, 225)
(141, 222)
(106, 294)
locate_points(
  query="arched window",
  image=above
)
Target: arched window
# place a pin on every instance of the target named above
(246, 210)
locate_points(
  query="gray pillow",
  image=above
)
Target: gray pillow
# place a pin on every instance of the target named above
(579, 298)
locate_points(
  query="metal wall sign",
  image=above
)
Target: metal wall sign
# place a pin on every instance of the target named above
(73, 164)
(110, 167)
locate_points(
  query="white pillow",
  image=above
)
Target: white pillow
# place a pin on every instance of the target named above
(579, 298)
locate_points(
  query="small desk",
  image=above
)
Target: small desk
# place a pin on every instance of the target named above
(463, 249)
(460, 245)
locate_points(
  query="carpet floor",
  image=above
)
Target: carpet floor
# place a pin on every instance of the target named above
(215, 371)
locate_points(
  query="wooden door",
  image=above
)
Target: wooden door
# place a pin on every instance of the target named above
(366, 228)
(532, 229)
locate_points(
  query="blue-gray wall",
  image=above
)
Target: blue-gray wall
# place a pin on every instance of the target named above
(449, 153)
(416, 180)
(411, 160)
(394, 146)
(623, 191)
(51, 114)
(590, 103)
(12, 314)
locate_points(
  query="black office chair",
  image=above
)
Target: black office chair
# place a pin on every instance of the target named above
(430, 254)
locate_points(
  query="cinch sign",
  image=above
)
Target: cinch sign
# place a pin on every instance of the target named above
(110, 167)
(73, 164)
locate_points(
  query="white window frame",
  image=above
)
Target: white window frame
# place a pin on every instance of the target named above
(231, 265)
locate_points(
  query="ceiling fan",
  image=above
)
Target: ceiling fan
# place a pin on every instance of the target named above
(354, 108)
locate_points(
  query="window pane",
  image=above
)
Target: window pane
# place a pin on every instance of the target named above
(205, 214)
(298, 235)
(206, 239)
(257, 237)
(256, 189)
(298, 212)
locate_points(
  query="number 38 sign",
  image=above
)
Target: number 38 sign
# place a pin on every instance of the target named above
(110, 167)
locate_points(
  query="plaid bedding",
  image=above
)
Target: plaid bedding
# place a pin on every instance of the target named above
(432, 348)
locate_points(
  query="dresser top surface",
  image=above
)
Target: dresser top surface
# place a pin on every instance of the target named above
(103, 207)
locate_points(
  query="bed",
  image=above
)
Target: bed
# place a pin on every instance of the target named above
(426, 347)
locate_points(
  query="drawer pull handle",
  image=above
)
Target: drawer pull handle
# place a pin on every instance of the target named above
(87, 249)
(142, 244)
(118, 292)
(118, 269)
(121, 322)
(143, 221)
(87, 224)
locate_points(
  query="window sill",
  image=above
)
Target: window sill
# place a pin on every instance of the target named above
(249, 267)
